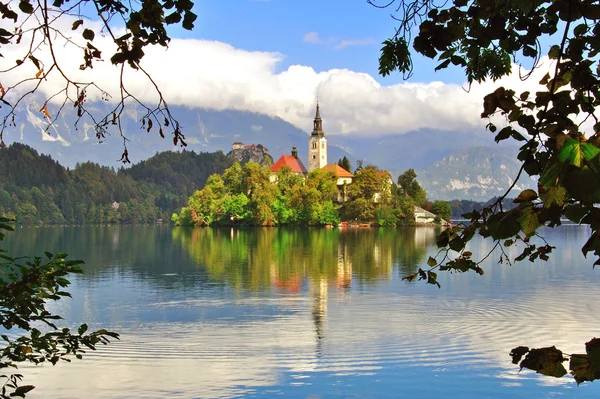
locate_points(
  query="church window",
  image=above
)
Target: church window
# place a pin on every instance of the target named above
(314, 157)
(323, 145)
(314, 146)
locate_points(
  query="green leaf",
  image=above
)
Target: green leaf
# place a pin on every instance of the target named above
(118, 58)
(576, 212)
(582, 184)
(517, 353)
(551, 174)
(574, 152)
(526, 196)
(456, 244)
(555, 195)
(432, 278)
(188, 20)
(173, 18)
(589, 151)
(77, 24)
(504, 225)
(503, 134)
(22, 390)
(587, 367)
(554, 52)
(592, 244)
(431, 261)
(88, 34)
(546, 361)
(82, 329)
(580, 369)
(26, 7)
(529, 221)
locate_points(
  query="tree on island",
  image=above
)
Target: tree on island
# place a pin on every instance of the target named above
(345, 163)
(251, 195)
(410, 187)
(442, 209)
(557, 125)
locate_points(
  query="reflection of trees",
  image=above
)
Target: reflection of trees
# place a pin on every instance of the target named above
(147, 251)
(416, 241)
(284, 258)
(251, 258)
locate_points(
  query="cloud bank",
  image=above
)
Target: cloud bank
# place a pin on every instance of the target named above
(216, 75)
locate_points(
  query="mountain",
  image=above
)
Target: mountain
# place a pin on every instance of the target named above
(476, 174)
(443, 171)
(204, 130)
(210, 131)
(416, 149)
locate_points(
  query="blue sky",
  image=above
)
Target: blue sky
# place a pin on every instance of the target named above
(278, 57)
(325, 34)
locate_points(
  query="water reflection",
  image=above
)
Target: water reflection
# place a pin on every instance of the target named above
(254, 259)
(229, 313)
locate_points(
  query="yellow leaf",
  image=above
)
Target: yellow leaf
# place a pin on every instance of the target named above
(2, 91)
(528, 221)
(39, 73)
(554, 195)
(44, 109)
(526, 196)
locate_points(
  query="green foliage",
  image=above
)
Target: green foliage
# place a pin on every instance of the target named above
(36, 190)
(371, 197)
(549, 361)
(442, 209)
(345, 163)
(557, 148)
(286, 198)
(410, 187)
(27, 286)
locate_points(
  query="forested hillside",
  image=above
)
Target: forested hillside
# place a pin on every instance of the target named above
(35, 189)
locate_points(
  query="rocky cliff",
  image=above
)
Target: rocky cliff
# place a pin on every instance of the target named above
(251, 153)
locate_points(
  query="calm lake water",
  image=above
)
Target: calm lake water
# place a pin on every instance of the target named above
(310, 313)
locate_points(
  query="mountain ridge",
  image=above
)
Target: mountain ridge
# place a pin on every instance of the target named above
(210, 131)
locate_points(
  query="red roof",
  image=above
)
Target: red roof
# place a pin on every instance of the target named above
(293, 163)
(337, 170)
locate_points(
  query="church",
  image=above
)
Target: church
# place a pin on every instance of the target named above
(317, 156)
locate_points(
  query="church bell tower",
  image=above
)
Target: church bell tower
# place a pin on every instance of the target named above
(317, 144)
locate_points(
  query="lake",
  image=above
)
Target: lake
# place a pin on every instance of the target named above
(310, 313)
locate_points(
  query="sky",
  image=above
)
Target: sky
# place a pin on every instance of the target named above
(326, 34)
(278, 57)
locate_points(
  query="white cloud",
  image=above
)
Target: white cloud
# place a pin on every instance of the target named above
(215, 75)
(349, 43)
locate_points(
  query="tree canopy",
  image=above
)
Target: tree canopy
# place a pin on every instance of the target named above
(557, 125)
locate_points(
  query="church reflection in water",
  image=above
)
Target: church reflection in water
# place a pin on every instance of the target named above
(317, 261)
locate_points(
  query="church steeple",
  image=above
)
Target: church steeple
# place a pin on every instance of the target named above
(318, 124)
(317, 144)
